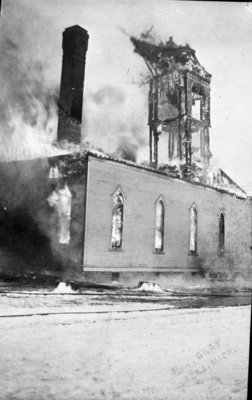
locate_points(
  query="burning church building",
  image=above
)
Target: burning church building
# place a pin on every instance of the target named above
(96, 218)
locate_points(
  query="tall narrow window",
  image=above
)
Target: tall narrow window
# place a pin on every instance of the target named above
(193, 230)
(117, 221)
(159, 231)
(221, 232)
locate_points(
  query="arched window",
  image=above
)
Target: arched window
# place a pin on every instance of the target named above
(221, 232)
(117, 221)
(159, 229)
(193, 230)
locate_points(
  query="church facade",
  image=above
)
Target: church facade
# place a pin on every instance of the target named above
(139, 220)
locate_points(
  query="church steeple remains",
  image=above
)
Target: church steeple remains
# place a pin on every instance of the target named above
(179, 104)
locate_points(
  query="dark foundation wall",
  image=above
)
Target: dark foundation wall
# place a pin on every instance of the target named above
(38, 198)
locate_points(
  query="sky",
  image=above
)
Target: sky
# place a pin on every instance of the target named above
(115, 96)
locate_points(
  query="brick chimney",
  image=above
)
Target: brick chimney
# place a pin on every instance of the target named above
(75, 44)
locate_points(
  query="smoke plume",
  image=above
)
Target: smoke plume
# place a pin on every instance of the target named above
(115, 122)
(28, 102)
(126, 150)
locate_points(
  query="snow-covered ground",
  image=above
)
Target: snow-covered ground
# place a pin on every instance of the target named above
(192, 354)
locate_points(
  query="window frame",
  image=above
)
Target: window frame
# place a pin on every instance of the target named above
(221, 240)
(116, 192)
(193, 252)
(155, 250)
(198, 90)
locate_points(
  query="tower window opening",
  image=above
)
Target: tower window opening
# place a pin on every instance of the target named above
(198, 97)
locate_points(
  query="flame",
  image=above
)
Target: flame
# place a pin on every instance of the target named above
(28, 108)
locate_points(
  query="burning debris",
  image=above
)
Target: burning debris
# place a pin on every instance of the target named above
(172, 170)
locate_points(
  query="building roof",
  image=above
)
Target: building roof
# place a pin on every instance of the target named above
(74, 163)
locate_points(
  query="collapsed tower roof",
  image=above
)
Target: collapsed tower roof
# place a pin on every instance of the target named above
(159, 56)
